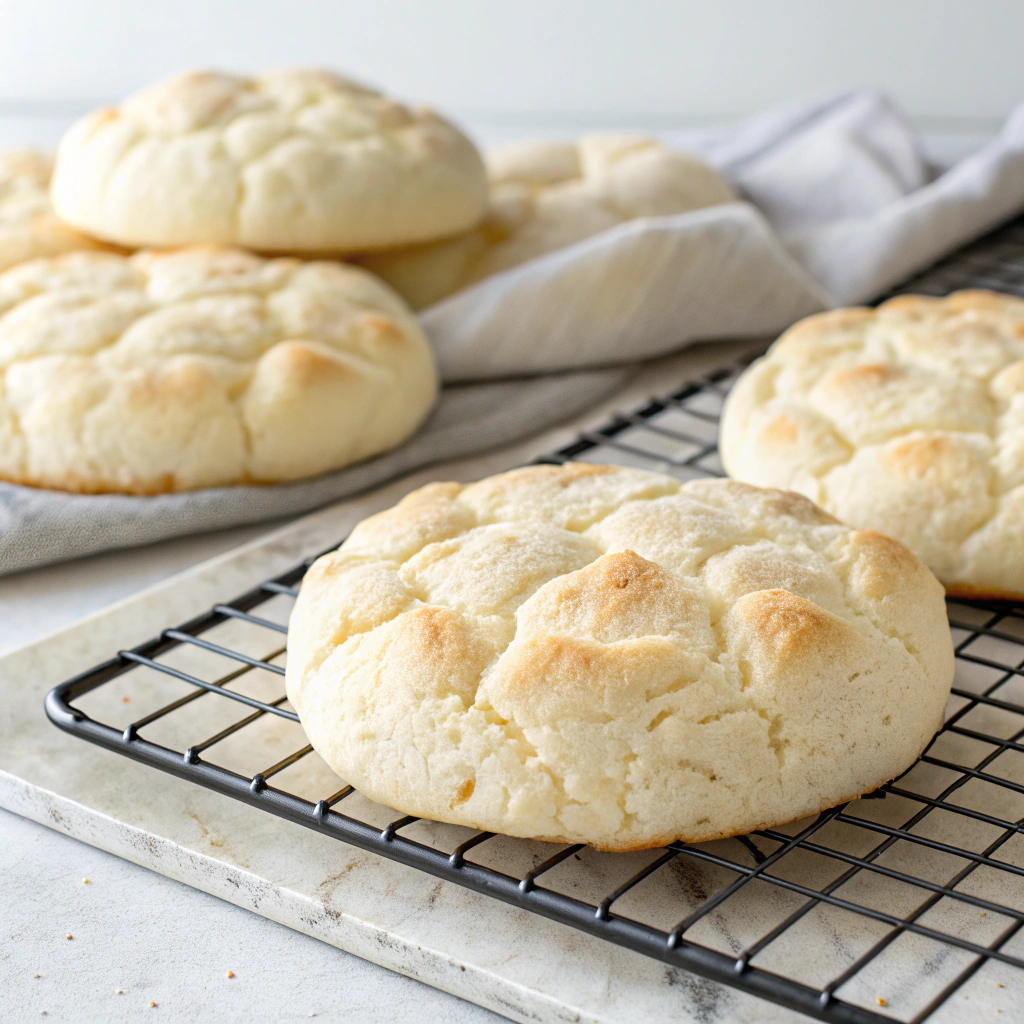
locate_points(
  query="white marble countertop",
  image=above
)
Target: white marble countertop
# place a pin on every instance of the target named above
(181, 964)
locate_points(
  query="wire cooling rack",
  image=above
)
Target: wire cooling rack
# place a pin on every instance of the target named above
(893, 907)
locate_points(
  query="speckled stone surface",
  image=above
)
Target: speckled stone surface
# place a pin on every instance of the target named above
(139, 937)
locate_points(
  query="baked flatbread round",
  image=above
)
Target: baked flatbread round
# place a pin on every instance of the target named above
(547, 195)
(29, 229)
(296, 161)
(602, 655)
(171, 371)
(907, 419)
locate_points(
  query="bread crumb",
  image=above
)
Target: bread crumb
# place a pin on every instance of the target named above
(85, 881)
(151, 1003)
(999, 984)
(120, 992)
(881, 1001)
(125, 700)
(39, 976)
(68, 936)
(231, 974)
(981, 913)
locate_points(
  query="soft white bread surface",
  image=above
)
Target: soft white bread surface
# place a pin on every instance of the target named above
(29, 229)
(295, 161)
(907, 419)
(547, 195)
(592, 654)
(201, 367)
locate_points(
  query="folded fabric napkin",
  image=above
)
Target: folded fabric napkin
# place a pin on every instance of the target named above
(839, 205)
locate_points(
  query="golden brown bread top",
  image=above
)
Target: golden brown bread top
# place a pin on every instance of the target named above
(29, 229)
(291, 161)
(907, 419)
(200, 367)
(547, 194)
(598, 654)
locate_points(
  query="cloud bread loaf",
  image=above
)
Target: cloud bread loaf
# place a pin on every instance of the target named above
(907, 419)
(546, 195)
(294, 161)
(200, 367)
(593, 654)
(29, 229)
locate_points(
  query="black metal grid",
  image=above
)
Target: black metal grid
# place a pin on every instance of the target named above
(915, 896)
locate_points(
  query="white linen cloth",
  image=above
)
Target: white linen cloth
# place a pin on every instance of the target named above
(839, 204)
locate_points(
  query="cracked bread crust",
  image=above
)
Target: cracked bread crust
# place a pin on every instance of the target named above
(547, 195)
(907, 419)
(200, 368)
(29, 229)
(294, 161)
(602, 655)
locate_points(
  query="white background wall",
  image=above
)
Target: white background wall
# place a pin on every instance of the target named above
(957, 66)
